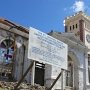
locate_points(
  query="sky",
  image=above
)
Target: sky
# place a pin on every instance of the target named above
(44, 15)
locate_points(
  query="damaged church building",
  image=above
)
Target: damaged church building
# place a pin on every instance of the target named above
(14, 51)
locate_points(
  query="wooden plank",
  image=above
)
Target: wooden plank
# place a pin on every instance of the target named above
(55, 81)
(24, 74)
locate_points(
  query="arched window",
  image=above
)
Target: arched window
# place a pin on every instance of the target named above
(6, 51)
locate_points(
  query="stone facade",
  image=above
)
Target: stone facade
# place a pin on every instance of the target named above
(76, 29)
(82, 31)
(78, 54)
(10, 32)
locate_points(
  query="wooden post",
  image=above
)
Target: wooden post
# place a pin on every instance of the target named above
(33, 74)
(73, 75)
(24, 74)
(55, 81)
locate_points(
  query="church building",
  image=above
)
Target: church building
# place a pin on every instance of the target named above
(14, 51)
(76, 36)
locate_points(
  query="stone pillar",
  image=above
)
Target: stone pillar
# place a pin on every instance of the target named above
(86, 66)
(81, 75)
(27, 63)
(73, 75)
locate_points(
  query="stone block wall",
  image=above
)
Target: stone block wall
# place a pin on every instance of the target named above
(51, 73)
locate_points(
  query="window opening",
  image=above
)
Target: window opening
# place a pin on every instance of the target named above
(73, 26)
(76, 25)
(70, 28)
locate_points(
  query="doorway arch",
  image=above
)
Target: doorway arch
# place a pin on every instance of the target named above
(72, 74)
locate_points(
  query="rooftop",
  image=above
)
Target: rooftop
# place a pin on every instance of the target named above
(78, 14)
(14, 25)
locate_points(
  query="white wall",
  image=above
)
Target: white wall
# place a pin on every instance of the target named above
(78, 58)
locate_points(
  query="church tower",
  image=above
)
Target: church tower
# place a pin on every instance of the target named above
(79, 24)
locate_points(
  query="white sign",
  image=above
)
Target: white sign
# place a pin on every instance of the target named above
(47, 49)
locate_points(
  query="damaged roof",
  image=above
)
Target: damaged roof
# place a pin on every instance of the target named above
(13, 25)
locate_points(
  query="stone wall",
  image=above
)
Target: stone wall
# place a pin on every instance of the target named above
(78, 57)
(21, 60)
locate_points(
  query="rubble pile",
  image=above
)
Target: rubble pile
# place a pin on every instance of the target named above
(7, 85)
(23, 86)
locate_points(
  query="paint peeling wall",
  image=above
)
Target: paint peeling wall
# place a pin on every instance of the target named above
(21, 61)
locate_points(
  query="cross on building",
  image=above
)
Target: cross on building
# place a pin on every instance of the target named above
(7, 55)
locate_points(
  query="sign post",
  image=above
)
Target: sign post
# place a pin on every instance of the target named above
(33, 74)
(62, 79)
(46, 49)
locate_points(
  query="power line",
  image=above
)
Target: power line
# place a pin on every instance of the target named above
(87, 8)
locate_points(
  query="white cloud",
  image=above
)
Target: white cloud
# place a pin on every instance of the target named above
(65, 8)
(78, 6)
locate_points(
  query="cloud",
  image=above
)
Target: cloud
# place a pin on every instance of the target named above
(78, 6)
(65, 8)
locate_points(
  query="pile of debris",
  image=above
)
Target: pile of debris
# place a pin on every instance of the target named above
(23, 86)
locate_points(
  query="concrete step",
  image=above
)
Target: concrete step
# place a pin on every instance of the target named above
(69, 88)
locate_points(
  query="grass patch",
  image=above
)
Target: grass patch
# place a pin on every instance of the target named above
(2, 89)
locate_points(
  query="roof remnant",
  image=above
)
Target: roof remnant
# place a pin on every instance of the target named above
(14, 25)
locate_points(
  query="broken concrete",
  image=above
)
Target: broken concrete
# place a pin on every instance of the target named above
(23, 86)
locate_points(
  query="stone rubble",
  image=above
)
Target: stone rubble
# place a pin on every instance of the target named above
(23, 86)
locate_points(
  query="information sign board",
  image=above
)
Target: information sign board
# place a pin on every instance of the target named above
(47, 49)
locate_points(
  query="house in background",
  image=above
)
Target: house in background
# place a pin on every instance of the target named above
(14, 50)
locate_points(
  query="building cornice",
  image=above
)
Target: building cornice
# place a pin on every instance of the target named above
(69, 42)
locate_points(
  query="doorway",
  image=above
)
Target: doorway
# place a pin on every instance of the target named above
(72, 74)
(39, 73)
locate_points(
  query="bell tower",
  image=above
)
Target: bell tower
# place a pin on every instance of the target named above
(79, 24)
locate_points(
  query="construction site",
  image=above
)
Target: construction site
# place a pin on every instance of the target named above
(13, 57)
(24, 53)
